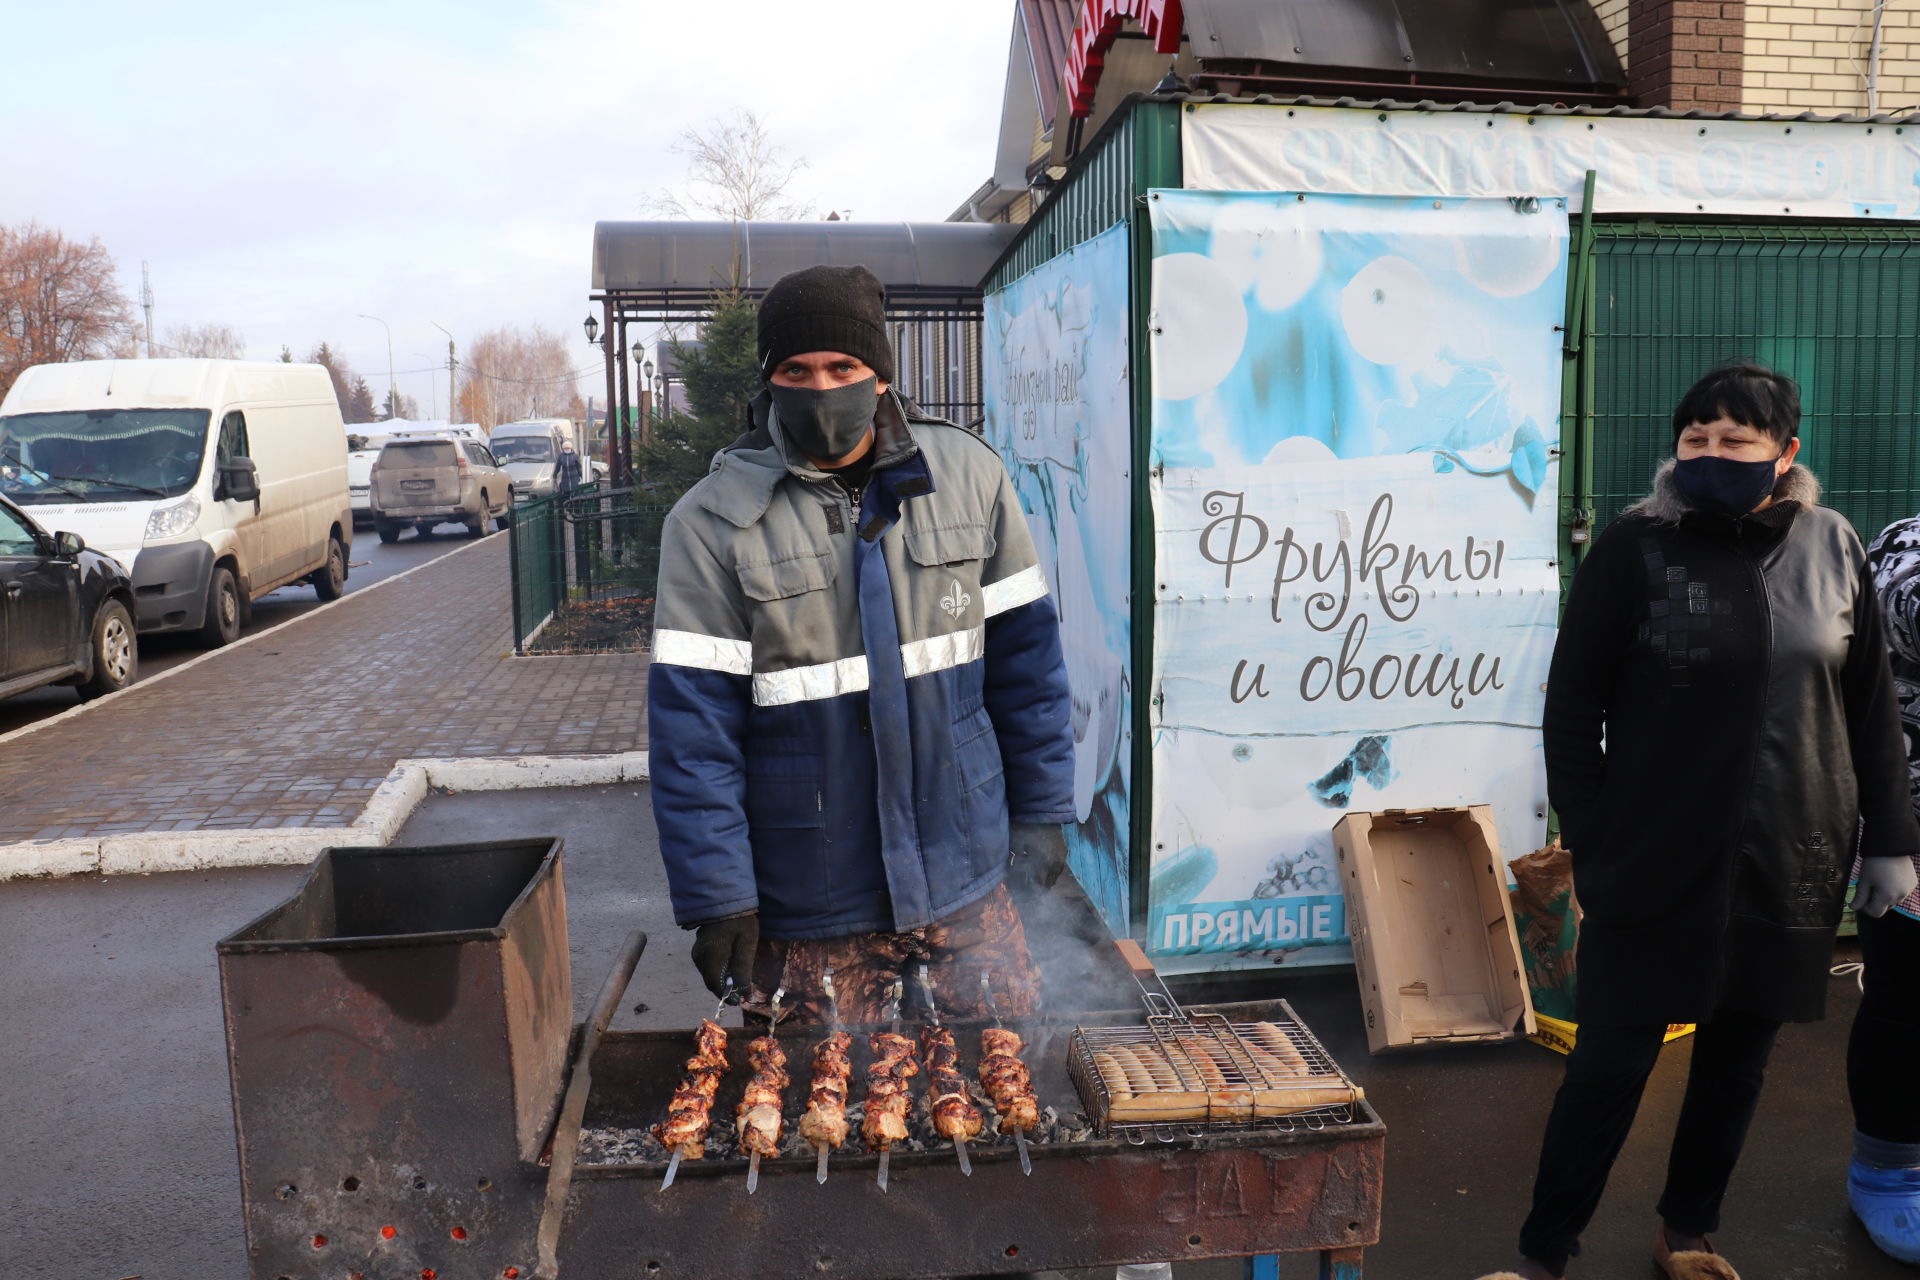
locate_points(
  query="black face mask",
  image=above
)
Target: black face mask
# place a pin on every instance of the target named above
(1723, 485)
(826, 425)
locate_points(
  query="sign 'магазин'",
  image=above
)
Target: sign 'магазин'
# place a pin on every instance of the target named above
(1355, 434)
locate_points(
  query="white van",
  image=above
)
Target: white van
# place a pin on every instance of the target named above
(212, 481)
(530, 452)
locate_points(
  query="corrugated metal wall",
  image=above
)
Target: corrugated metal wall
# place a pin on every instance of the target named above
(1100, 189)
(1835, 307)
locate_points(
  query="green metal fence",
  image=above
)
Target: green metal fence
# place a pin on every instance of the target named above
(585, 568)
(1835, 307)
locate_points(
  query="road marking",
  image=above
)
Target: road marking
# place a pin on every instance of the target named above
(189, 664)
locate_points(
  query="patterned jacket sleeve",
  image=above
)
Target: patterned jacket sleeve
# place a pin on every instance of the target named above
(699, 693)
(1026, 672)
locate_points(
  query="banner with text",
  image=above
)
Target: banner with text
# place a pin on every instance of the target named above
(1059, 411)
(1356, 440)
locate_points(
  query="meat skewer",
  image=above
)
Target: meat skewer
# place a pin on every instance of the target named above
(690, 1111)
(1006, 1079)
(825, 1121)
(948, 1103)
(887, 1098)
(757, 1118)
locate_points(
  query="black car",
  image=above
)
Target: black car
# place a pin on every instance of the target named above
(66, 613)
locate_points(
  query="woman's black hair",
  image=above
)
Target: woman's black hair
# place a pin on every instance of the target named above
(1751, 394)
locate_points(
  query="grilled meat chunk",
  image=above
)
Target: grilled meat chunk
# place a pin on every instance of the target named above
(757, 1118)
(888, 1097)
(948, 1102)
(1007, 1081)
(690, 1110)
(825, 1121)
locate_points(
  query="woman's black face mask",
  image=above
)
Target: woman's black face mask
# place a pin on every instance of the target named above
(1723, 485)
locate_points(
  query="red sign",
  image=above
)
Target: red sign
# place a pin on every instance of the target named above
(1101, 21)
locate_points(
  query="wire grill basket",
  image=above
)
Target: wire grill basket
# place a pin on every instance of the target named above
(1189, 1074)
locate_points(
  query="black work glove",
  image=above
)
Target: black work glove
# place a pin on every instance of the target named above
(1039, 851)
(723, 948)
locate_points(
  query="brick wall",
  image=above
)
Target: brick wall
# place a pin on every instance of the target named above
(1613, 16)
(1812, 56)
(1686, 54)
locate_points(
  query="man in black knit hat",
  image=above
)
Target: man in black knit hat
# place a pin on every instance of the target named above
(857, 708)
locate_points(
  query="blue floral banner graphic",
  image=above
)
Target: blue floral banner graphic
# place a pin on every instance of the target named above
(1355, 441)
(1059, 410)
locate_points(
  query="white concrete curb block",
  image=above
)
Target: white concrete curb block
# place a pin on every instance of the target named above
(404, 787)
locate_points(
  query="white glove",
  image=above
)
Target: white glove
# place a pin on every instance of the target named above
(1883, 882)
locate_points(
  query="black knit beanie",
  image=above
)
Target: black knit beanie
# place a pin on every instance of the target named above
(826, 309)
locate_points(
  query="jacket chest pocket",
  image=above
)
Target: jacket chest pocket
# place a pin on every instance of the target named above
(787, 576)
(951, 544)
(953, 556)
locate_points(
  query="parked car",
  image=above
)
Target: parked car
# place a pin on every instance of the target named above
(66, 613)
(429, 480)
(212, 482)
(362, 450)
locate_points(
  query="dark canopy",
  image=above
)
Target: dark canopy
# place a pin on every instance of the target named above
(927, 261)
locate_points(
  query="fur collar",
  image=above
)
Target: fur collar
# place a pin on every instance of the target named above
(1667, 506)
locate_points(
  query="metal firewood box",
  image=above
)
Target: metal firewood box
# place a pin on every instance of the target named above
(397, 1035)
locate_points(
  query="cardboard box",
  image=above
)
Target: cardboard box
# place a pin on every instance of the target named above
(1433, 937)
(1559, 1035)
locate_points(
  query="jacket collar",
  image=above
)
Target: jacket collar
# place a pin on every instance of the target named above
(756, 462)
(1665, 504)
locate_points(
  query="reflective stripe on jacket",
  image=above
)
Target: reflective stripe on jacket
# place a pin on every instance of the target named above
(842, 720)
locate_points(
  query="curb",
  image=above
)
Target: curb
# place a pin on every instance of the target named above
(404, 787)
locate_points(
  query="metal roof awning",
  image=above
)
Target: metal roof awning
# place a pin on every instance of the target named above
(680, 266)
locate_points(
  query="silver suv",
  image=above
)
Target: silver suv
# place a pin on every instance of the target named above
(427, 481)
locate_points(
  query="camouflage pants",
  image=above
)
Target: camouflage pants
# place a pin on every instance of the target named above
(984, 938)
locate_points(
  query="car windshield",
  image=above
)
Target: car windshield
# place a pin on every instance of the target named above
(101, 455)
(507, 449)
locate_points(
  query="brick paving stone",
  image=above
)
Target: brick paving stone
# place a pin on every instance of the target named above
(300, 728)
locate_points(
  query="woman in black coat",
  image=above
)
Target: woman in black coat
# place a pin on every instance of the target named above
(1720, 722)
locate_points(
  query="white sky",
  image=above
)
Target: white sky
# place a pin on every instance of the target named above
(286, 167)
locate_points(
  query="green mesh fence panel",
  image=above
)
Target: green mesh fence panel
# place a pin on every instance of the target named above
(1837, 308)
(585, 569)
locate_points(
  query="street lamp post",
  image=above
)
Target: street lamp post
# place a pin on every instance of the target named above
(650, 406)
(393, 394)
(452, 411)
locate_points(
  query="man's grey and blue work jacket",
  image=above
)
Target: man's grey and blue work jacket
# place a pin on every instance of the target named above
(848, 704)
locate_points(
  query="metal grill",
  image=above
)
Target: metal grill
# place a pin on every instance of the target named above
(1248, 1075)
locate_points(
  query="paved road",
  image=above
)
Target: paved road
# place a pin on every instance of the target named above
(371, 561)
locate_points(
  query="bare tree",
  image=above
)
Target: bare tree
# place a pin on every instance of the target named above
(59, 300)
(511, 373)
(210, 341)
(735, 170)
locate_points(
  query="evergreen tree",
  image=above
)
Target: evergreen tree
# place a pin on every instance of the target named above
(341, 376)
(720, 375)
(360, 402)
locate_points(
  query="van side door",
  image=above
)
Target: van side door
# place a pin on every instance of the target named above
(39, 601)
